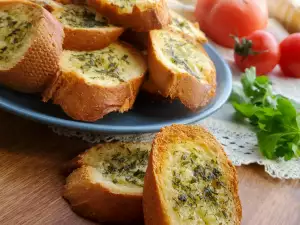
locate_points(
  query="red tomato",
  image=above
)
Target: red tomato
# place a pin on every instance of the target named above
(260, 49)
(221, 18)
(290, 55)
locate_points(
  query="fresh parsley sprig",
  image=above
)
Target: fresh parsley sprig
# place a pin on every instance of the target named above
(275, 117)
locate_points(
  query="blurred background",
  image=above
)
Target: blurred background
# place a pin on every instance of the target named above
(287, 12)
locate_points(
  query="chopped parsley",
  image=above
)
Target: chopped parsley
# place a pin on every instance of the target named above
(14, 31)
(275, 118)
(81, 17)
(128, 167)
(203, 189)
(181, 25)
(184, 54)
(106, 63)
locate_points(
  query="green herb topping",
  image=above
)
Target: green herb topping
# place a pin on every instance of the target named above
(15, 27)
(275, 117)
(128, 167)
(81, 17)
(201, 189)
(103, 64)
(125, 5)
(185, 55)
(128, 5)
(181, 24)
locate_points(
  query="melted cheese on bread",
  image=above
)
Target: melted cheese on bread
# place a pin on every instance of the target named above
(195, 187)
(126, 6)
(16, 22)
(110, 66)
(120, 166)
(181, 55)
(77, 16)
(181, 24)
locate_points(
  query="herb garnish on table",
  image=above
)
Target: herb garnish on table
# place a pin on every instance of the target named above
(275, 117)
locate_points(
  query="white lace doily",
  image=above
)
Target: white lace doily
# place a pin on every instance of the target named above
(239, 143)
(239, 140)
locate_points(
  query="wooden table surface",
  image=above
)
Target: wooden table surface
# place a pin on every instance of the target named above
(31, 157)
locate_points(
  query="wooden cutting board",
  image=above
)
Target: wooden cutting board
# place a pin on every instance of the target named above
(31, 157)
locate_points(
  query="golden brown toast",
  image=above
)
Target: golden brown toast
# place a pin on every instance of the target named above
(141, 15)
(178, 24)
(85, 29)
(179, 68)
(107, 185)
(92, 84)
(186, 27)
(189, 180)
(31, 44)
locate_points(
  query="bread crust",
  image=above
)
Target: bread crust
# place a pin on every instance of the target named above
(77, 2)
(90, 39)
(187, 88)
(95, 201)
(203, 39)
(200, 37)
(155, 17)
(90, 102)
(87, 39)
(39, 65)
(141, 39)
(153, 200)
(49, 5)
(84, 101)
(149, 87)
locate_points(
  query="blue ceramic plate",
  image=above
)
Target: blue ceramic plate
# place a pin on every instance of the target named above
(144, 117)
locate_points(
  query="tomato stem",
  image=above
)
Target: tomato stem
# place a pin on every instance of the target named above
(243, 47)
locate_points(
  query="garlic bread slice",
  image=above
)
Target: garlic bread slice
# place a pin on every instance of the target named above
(189, 180)
(65, 2)
(84, 28)
(178, 24)
(47, 4)
(77, 2)
(180, 68)
(108, 184)
(183, 25)
(30, 46)
(143, 15)
(95, 83)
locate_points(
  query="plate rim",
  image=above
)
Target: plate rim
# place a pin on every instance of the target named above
(119, 129)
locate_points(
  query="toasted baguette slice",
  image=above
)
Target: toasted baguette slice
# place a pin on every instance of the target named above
(84, 29)
(77, 2)
(51, 5)
(95, 83)
(183, 25)
(50, 2)
(189, 180)
(108, 185)
(180, 68)
(178, 24)
(30, 46)
(141, 15)
(47, 4)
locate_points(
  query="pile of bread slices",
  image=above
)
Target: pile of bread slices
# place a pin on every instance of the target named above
(182, 178)
(92, 57)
